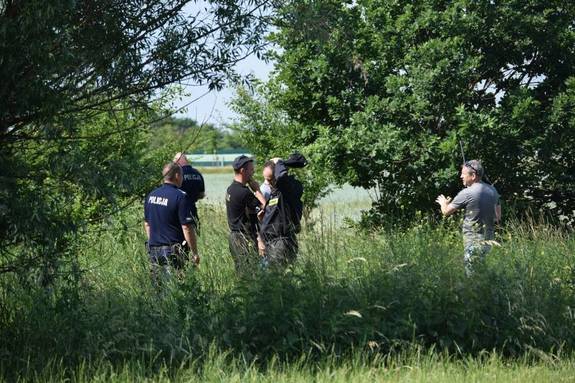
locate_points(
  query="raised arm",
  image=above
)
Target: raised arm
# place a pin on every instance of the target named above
(446, 208)
(255, 187)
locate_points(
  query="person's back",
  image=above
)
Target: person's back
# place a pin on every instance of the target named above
(161, 210)
(293, 192)
(193, 183)
(167, 222)
(283, 210)
(239, 202)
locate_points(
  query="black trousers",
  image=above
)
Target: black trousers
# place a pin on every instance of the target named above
(281, 251)
(243, 249)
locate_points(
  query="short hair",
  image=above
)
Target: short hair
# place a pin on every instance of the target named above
(270, 164)
(475, 167)
(272, 167)
(170, 170)
(180, 158)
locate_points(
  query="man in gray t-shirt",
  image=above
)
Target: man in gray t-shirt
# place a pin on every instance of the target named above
(482, 210)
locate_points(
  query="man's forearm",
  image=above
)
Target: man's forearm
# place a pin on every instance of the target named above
(190, 237)
(147, 229)
(280, 170)
(255, 188)
(444, 208)
(260, 197)
(498, 213)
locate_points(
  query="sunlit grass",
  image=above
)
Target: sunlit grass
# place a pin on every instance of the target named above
(215, 169)
(356, 306)
(417, 366)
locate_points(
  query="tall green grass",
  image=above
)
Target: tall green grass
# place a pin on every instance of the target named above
(350, 296)
(413, 366)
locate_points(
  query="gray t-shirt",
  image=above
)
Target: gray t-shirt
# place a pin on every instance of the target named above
(479, 201)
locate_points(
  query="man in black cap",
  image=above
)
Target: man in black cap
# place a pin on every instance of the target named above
(169, 224)
(242, 198)
(283, 212)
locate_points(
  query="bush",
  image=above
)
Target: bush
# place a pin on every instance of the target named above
(349, 292)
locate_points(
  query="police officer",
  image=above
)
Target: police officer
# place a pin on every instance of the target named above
(283, 212)
(169, 223)
(243, 197)
(192, 184)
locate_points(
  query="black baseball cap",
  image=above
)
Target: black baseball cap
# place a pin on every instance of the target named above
(241, 161)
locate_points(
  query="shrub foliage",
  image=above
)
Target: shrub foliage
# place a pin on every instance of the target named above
(383, 92)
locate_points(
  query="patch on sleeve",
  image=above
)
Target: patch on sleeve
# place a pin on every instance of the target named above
(273, 201)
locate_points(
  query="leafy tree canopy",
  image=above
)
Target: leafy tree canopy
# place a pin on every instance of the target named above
(185, 134)
(385, 90)
(61, 57)
(81, 82)
(269, 133)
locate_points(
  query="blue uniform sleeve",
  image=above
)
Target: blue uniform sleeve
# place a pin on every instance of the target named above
(185, 206)
(286, 183)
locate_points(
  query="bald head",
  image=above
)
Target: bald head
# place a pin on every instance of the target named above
(172, 173)
(181, 159)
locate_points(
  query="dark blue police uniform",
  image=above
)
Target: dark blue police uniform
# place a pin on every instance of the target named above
(166, 209)
(193, 185)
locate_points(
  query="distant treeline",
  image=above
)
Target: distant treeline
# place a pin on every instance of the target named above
(190, 136)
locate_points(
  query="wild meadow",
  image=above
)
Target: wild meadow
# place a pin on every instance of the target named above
(357, 305)
(390, 96)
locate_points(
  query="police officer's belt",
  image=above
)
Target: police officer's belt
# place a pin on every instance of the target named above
(172, 247)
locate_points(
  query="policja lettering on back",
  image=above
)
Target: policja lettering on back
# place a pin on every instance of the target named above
(167, 220)
(158, 200)
(165, 211)
(192, 184)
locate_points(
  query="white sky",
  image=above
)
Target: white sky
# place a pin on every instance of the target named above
(213, 107)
